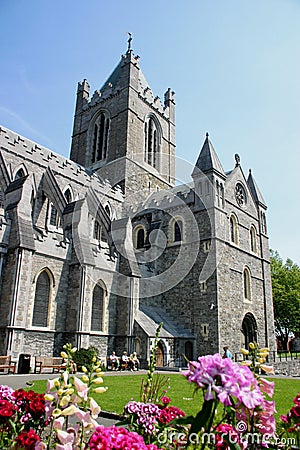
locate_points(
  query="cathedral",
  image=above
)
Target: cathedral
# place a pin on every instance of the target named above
(99, 249)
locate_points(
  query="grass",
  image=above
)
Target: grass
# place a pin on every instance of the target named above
(121, 389)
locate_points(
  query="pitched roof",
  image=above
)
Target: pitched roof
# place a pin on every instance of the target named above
(150, 318)
(255, 190)
(208, 160)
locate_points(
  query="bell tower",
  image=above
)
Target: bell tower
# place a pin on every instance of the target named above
(124, 132)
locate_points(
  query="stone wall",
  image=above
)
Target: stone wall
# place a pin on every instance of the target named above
(290, 367)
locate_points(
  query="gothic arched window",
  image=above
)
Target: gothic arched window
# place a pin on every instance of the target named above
(1, 199)
(68, 196)
(247, 284)
(98, 308)
(100, 138)
(233, 229)
(54, 218)
(177, 231)
(151, 154)
(97, 230)
(140, 238)
(41, 300)
(253, 240)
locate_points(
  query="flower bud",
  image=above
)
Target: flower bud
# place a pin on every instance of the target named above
(84, 369)
(244, 351)
(100, 390)
(85, 378)
(98, 380)
(252, 346)
(64, 355)
(65, 400)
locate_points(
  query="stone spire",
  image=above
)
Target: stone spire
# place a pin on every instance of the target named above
(208, 160)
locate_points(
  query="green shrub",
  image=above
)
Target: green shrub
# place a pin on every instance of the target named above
(84, 356)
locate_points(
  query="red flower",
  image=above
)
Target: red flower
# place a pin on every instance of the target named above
(27, 440)
(6, 408)
(165, 400)
(30, 402)
(297, 399)
(170, 413)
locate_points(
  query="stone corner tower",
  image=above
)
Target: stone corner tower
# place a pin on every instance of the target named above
(124, 132)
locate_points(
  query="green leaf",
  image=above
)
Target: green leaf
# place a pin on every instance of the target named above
(202, 418)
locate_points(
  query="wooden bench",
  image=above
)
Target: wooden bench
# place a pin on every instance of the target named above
(7, 363)
(48, 362)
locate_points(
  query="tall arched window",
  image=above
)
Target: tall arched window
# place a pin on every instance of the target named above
(263, 223)
(253, 240)
(151, 154)
(100, 138)
(98, 308)
(247, 284)
(97, 230)
(140, 238)
(68, 196)
(177, 231)
(41, 300)
(1, 199)
(54, 218)
(233, 230)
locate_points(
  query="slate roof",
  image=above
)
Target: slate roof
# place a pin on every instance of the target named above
(150, 318)
(255, 190)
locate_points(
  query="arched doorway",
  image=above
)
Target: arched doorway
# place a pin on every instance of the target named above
(188, 350)
(159, 355)
(249, 330)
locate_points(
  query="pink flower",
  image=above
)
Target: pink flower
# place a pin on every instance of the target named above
(81, 387)
(115, 438)
(267, 386)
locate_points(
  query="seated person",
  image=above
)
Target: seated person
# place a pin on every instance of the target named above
(135, 361)
(125, 361)
(114, 360)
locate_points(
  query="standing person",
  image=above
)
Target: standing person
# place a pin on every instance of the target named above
(227, 353)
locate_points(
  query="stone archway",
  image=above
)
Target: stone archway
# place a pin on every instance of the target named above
(249, 330)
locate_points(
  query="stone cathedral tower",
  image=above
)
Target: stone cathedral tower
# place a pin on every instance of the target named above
(125, 133)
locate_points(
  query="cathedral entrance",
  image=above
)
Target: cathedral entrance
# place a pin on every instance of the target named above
(159, 355)
(249, 330)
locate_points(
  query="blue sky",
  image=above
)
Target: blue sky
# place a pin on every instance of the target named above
(233, 64)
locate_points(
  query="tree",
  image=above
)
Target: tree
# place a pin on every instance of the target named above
(286, 297)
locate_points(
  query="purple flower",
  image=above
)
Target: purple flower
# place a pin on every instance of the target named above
(224, 379)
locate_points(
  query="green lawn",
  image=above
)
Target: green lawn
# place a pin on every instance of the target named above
(123, 388)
